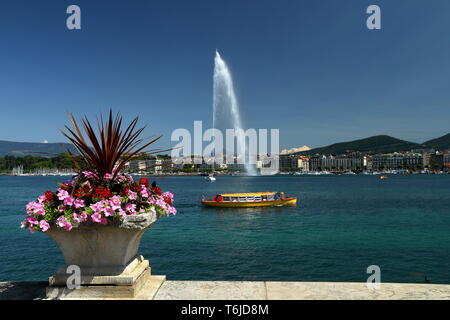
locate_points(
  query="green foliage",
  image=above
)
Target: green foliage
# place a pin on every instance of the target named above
(21, 149)
(62, 161)
(441, 143)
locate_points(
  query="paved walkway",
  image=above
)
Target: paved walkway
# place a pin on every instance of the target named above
(242, 290)
(259, 290)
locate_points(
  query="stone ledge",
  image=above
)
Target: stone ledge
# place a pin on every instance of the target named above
(253, 290)
(211, 290)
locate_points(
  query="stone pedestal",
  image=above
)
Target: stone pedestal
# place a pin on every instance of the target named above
(135, 282)
(107, 258)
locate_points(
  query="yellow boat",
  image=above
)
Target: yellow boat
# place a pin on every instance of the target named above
(246, 200)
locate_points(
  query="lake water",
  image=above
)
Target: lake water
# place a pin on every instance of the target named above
(341, 225)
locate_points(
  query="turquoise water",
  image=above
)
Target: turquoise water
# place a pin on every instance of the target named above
(341, 225)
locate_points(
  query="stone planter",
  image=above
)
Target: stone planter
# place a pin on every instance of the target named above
(107, 257)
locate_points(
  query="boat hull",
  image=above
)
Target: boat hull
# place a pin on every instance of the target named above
(281, 202)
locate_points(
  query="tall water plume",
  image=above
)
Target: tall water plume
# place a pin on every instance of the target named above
(226, 114)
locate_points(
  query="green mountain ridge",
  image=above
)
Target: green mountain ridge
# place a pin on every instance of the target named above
(441, 143)
(20, 149)
(379, 144)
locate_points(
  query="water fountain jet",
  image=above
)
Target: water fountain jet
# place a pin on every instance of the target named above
(226, 108)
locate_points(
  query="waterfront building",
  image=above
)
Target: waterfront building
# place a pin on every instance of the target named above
(436, 161)
(397, 161)
(315, 162)
(290, 162)
(285, 162)
(351, 162)
(446, 160)
(155, 166)
(426, 159)
(303, 163)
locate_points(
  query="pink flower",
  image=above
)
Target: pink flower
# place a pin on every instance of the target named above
(36, 208)
(68, 226)
(144, 192)
(62, 194)
(107, 176)
(96, 217)
(108, 211)
(79, 203)
(83, 216)
(30, 207)
(172, 210)
(41, 198)
(132, 195)
(115, 203)
(32, 221)
(122, 213)
(44, 225)
(104, 221)
(76, 217)
(68, 201)
(61, 221)
(161, 203)
(97, 207)
(130, 208)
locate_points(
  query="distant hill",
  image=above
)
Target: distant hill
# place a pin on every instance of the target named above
(442, 143)
(20, 149)
(381, 144)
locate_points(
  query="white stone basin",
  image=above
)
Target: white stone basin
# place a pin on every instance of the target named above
(103, 250)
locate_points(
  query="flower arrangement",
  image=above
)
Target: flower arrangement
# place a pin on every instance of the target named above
(102, 195)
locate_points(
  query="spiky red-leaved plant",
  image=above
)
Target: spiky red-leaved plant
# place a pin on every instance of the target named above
(108, 150)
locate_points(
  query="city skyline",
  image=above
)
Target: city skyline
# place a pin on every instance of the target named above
(313, 70)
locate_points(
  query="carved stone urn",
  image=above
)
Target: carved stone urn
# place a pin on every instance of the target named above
(107, 260)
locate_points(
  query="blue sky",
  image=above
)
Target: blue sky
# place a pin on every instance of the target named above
(310, 68)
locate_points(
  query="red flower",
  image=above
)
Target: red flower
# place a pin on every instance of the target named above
(136, 188)
(156, 190)
(144, 181)
(48, 196)
(168, 200)
(79, 193)
(101, 193)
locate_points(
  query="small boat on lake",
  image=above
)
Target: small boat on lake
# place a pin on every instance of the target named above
(246, 200)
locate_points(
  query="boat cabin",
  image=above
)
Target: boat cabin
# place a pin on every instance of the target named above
(249, 197)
